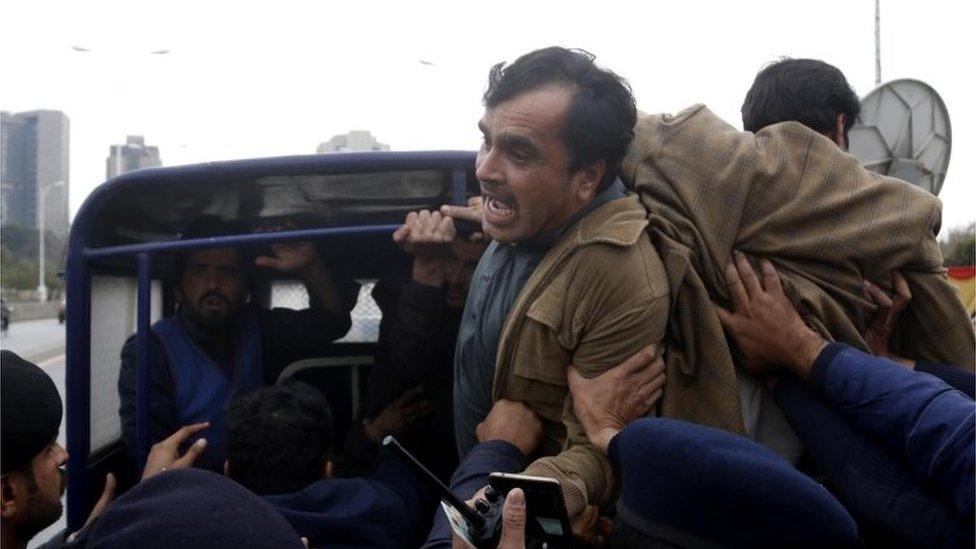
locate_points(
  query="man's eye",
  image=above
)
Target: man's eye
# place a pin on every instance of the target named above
(519, 157)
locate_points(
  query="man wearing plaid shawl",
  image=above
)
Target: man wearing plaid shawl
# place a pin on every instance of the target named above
(786, 190)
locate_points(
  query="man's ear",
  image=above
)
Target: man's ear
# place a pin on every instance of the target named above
(328, 470)
(588, 180)
(227, 468)
(9, 500)
(839, 136)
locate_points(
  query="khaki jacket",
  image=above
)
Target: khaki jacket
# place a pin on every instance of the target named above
(791, 195)
(596, 298)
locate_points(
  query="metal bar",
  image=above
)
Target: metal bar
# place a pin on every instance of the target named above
(234, 240)
(459, 188)
(143, 341)
(877, 42)
(78, 385)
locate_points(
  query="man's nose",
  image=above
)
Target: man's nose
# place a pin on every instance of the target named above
(61, 455)
(487, 167)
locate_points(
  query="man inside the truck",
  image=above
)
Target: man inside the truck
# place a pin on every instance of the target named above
(217, 343)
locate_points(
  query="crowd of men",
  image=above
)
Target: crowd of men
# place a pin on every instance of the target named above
(709, 337)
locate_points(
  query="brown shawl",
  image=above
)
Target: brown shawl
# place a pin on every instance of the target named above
(791, 195)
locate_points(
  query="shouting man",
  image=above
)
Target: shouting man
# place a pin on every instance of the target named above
(570, 277)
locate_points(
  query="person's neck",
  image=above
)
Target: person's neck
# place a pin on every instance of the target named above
(10, 540)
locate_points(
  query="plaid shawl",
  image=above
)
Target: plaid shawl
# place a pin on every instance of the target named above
(791, 195)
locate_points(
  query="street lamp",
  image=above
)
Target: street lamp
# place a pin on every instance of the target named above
(41, 206)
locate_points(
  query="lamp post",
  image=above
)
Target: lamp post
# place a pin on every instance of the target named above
(41, 206)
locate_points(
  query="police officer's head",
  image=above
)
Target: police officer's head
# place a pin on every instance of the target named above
(280, 438)
(807, 91)
(33, 479)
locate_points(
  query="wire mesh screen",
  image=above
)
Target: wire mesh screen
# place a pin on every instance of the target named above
(365, 315)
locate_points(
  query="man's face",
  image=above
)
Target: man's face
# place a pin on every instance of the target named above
(460, 268)
(523, 166)
(40, 503)
(212, 287)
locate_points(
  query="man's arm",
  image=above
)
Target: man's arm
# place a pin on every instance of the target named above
(162, 404)
(915, 415)
(509, 433)
(584, 472)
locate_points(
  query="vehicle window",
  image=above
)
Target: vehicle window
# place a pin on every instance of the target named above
(365, 315)
(113, 313)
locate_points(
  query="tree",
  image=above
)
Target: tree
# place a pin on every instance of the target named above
(959, 246)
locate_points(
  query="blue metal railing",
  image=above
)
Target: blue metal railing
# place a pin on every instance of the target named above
(78, 339)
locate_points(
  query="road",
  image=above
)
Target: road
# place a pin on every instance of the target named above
(41, 342)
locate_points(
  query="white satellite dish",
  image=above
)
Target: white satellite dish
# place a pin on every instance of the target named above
(903, 131)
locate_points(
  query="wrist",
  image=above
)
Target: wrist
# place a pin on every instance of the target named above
(601, 439)
(808, 347)
(428, 271)
(315, 267)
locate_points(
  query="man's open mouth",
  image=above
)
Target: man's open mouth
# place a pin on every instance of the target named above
(498, 209)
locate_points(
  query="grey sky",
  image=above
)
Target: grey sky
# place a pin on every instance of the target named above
(278, 79)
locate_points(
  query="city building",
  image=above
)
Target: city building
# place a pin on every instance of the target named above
(134, 155)
(356, 140)
(34, 169)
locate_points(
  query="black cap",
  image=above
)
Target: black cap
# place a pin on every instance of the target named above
(189, 508)
(30, 411)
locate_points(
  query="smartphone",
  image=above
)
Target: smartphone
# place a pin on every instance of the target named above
(544, 506)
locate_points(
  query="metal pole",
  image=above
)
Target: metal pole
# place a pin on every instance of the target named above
(877, 42)
(41, 287)
(144, 309)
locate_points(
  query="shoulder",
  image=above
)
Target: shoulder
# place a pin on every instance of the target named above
(636, 270)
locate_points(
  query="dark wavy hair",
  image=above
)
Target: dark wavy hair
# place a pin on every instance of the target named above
(807, 91)
(279, 438)
(601, 118)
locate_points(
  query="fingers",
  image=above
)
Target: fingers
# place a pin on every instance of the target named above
(725, 317)
(191, 455)
(747, 275)
(409, 396)
(903, 295)
(108, 494)
(513, 520)
(185, 432)
(880, 298)
(737, 291)
(464, 213)
(266, 261)
(771, 281)
(640, 360)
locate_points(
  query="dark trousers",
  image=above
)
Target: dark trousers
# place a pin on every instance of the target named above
(892, 506)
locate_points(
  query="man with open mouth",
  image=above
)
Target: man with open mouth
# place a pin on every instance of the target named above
(570, 276)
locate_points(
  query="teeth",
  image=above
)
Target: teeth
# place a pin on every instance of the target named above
(497, 204)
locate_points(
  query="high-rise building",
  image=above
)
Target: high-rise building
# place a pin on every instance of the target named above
(356, 140)
(34, 168)
(134, 155)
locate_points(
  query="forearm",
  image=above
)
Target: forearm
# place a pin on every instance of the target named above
(913, 414)
(472, 475)
(321, 287)
(584, 474)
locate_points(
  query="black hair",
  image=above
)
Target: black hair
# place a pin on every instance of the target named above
(601, 117)
(206, 227)
(279, 438)
(807, 91)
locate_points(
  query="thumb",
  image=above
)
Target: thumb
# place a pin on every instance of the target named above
(725, 317)
(513, 521)
(265, 261)
(192, 453)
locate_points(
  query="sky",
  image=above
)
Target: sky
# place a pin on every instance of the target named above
(244, 80)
